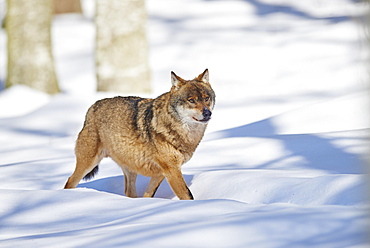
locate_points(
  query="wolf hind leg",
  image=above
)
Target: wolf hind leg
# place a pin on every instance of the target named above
(88, 155)
(81, 171)
(130, 182)
(153, 185)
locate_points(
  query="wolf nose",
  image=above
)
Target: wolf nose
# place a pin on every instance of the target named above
(207, 113)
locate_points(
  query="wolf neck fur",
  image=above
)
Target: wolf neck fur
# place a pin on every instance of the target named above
(170, 122)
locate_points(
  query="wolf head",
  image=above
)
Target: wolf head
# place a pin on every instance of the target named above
(192, 100)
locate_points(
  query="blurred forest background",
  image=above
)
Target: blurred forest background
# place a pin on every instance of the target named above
(121, 48)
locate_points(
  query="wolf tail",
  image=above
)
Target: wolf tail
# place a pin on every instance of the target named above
(92, 173)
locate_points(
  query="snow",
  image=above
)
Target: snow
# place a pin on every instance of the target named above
(283, 161)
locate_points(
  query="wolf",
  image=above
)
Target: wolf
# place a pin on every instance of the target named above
(151, 137)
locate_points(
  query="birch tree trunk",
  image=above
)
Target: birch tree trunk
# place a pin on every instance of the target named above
(30, 61)
(121, 46)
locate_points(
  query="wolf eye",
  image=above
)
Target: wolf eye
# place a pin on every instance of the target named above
(191, 100)
(206, 99)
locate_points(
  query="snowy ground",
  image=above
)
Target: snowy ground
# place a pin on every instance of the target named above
(282, 163)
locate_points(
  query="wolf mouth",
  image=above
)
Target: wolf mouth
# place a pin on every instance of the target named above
(205, 120)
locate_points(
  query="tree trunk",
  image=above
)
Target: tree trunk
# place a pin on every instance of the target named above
(121, 46)
(67, 6)
(30, 60)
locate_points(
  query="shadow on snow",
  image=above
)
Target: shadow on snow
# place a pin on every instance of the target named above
(319, 152)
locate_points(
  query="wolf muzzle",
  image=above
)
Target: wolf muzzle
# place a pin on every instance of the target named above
(206, 114)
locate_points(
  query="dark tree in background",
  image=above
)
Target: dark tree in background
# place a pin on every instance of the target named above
(67, 6)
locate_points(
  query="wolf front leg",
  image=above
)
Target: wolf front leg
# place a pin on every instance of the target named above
(176, 181)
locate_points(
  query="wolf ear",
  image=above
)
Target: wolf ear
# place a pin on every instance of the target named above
(204, 76)
(176, 80)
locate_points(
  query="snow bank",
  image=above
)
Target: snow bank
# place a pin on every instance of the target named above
(19, 100)
(74, 218)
